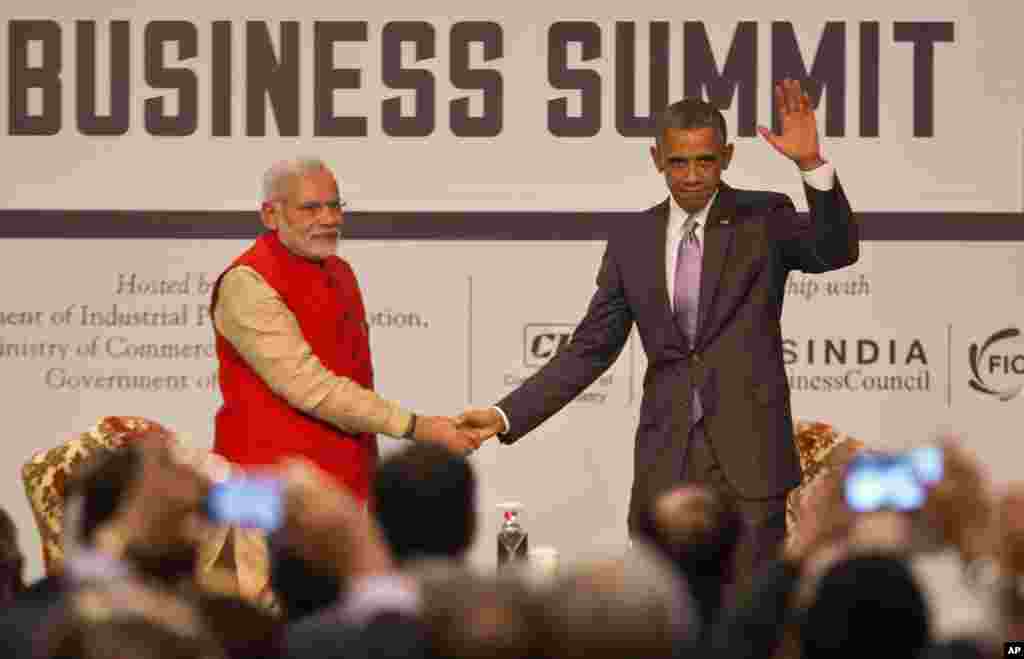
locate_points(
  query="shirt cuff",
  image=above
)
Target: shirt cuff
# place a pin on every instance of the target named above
(371, 596)
(821, 178)
(504, 418)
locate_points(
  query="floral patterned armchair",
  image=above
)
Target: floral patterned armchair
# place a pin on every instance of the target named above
(47, 473)
(823, 452)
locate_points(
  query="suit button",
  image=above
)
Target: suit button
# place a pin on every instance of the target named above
(695, 359)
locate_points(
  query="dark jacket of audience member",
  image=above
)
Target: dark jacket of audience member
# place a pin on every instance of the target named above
(425, 501)
(756, 626)
(242, 629)
(387, 636)
(126, 618)
(865, 605)
(12, 561)
(301, 588)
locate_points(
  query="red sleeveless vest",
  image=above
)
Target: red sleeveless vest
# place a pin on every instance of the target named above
(257, 427)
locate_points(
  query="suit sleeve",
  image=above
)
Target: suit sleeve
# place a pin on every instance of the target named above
(595, 345)
(827, 239)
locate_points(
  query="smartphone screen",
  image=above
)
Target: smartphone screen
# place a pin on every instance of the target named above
(884, 482)
(928, 462)
(247, 502)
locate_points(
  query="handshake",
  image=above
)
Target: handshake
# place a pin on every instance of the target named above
(462, 434)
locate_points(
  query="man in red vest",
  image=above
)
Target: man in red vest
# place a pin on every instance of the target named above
(293, 347)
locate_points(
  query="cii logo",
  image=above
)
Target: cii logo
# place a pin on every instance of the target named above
(542, 342)
(997, 363)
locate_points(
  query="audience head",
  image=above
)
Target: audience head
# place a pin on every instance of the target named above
(698, 531)
(693, 524)
(866, 604)
(100, 490)
(424, 498)
(469, 616)
(12, 561)
(637, 607)
(141, 503)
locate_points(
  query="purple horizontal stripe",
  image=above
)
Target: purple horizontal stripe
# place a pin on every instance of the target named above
(476, 225)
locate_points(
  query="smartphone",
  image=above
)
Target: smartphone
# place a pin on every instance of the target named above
(927, 462)
(892, 482)
(248, 502)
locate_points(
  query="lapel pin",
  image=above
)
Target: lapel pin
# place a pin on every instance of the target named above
(724, 222)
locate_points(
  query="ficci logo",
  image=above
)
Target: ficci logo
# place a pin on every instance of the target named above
(541, 342)
(997, 365)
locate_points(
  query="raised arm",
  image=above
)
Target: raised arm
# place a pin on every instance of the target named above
(829, 239)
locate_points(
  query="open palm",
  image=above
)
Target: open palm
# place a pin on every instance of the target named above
(798, 140)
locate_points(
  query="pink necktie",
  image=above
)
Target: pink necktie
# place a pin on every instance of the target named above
(687, 295)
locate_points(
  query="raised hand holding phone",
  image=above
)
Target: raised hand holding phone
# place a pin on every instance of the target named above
(248, 501)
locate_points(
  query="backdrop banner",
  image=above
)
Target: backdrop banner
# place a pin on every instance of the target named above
(485, 160)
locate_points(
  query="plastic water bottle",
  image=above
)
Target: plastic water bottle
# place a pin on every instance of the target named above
(512, 539)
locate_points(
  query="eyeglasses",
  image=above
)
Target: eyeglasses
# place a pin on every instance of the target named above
(313, 208)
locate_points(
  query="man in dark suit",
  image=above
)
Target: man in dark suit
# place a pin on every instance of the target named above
(703, 275)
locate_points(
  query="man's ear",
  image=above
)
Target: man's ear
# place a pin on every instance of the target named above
(727, 152)
(656, 157)
(270, 214)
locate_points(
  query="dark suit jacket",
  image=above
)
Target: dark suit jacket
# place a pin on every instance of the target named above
(387, 636)
(27, 617)
(752, 240)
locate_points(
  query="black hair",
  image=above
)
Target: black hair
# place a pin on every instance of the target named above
(425, 502)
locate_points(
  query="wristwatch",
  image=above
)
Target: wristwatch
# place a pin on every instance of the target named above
(410, 432)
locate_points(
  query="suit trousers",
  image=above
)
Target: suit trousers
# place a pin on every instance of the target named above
(764, 520)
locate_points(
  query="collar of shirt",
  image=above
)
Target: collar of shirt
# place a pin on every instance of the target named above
(677, 218)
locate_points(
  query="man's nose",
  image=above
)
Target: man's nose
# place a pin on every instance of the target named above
(690, 175)
(332, 218)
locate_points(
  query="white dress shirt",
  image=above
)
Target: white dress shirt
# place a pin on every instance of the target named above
(821, 178)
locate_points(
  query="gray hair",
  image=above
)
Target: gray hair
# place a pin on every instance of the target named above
(279, 177)
(473, 616)
(604, 609)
